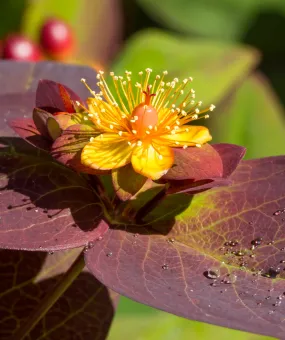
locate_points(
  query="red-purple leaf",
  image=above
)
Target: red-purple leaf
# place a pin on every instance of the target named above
(26, 129)
(195, 163)
(17, 93)
(84, 311)
(200, 169)
(54, 97)
(40, 118)
(192, 187)
(222, 260)
(231, 155)
(45, 206)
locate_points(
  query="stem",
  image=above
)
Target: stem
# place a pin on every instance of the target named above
(96, 183)
(150, 205)
(51, 298)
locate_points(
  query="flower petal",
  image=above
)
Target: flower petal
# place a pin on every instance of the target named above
(152, 161)
(107, 151)
(186, 135)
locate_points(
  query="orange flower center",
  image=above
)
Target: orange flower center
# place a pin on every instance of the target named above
(144, 116)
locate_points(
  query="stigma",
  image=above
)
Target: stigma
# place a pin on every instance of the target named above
(144, 116)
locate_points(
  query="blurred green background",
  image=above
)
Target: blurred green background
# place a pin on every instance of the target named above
(235, 50)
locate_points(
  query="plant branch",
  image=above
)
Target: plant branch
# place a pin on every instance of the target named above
(51, 298)
(150, 205)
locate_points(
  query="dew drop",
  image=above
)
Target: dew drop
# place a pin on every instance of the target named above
(271, 312)
(231, 278)
(165, 266)
(136, 235)
(45, 211)
(109, 254)
(9, 207)
(271, 273)
(51, 252)
(233, 243)
(239, 253)
(277, 303)
(212, 273)
(257, 242)
(171, 240)
(90, 245)
(100, 238)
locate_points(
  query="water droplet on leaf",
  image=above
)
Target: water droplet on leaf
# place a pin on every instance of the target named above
(212, 273)
(256, 242)
(231, 278)
(164, 266)
(272, 273)
(109, 254)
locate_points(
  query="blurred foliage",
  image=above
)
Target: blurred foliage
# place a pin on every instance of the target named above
(254, 117)
(224, 19)
(215, 66)
(11, 12)
(151, 324)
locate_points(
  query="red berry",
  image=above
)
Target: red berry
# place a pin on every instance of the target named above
(18, 47)
(57, 39)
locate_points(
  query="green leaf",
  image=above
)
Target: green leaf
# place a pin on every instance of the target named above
(215, 66)
(136, 321)
(252, 117)
(85, 310)
(224, 19)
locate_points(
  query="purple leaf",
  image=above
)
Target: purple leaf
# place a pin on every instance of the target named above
(26, 129)
(200, 169)
(17, 95)
(216, 257)
(45, 206)
(84, 311)
(231, 155)
(54, 97)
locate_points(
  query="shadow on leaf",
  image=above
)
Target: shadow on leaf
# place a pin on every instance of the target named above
(84, 311)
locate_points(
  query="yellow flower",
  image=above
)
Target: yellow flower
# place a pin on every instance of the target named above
(141, 127)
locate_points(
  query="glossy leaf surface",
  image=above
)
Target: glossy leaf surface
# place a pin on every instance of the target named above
(44, 206)
(220, 260)
(84, 311)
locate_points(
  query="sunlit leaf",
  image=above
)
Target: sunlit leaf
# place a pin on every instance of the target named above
(216, 257)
